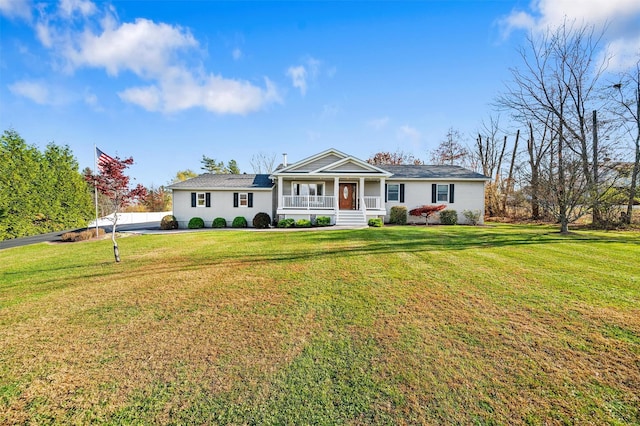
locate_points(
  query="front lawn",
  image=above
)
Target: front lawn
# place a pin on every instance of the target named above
(499, 324)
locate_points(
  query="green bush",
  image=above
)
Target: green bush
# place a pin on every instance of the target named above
(169, 222)
(375, 222)
(448, 217)
(261, 220)
(398, 215)
(239, 222)
(196, 223)
(303, 223)
(472, 216)
(323, 221)
(219, 222)
(286, 223)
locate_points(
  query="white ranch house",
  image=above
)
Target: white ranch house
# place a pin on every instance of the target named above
(348, 190)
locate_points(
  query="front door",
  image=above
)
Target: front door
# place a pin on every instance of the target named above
(347, 196)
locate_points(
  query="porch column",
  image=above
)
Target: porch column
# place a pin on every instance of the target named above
(363, 206)
(336, 200)
(382, 194)
(280, 199)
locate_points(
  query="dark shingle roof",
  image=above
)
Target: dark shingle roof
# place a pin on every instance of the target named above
(214, 181)
(410, 171)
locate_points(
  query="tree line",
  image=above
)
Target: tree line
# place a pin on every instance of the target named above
(40, 191)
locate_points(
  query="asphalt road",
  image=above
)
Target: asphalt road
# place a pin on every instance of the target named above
(55, 236)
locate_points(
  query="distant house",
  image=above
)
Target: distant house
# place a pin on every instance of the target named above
(331, 183)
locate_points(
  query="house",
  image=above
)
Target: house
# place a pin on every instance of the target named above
(331, 183)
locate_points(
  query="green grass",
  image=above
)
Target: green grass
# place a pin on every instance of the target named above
(499, 324)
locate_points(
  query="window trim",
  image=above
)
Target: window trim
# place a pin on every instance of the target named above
(201, 199)
(397, 199)
(246, 199)
(446, 194)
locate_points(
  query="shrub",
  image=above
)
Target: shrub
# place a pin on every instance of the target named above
(286, 223)
(375, 222)
(448, 217)
(303, 223)
(169, 222)
(196, 223)
(472, 216)
(219, 222)
(239, 222)
(261, 220)
(323, 221)
(426, 211)
(87, 234)
(398, 215)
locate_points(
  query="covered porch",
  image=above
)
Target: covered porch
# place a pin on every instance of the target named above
(339, 196)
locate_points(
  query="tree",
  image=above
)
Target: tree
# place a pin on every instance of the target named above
(39, 192)
(212, 165)
(627, 109)
(157, 199)
(113, 183)
(393, 158)
(262, 163)
(450, 150)
(556, 87)
(489, 151)
(183, 175)
(426, 211)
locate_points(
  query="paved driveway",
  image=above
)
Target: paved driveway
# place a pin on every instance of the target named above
(55, 236)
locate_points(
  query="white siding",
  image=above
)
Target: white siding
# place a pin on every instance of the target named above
(467, 196)
(221, 206)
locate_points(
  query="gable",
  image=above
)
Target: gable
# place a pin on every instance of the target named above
(316, 164)
(349, 166)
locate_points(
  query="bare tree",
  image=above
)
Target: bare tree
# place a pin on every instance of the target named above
(393, 158)
(627, 109)
(557, 86)
(263, 163)
(451, 150)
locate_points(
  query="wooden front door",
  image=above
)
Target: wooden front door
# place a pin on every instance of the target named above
(347, 196)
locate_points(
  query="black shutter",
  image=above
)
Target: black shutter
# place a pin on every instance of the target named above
(250, 199)
(193, 199)
(235, 199)
(451, 193)
(385, 192)
(207, 199)
(434, 193)
(402, 192)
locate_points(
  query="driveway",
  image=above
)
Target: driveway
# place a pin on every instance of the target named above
(55, 236)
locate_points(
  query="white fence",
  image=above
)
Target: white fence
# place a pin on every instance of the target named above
(127, 218)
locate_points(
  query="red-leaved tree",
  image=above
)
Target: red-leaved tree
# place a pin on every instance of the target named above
(113, 183)
(426, 211)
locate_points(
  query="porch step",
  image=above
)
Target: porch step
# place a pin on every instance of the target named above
(351, 218)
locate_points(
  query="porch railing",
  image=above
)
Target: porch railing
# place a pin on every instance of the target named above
(372, 203)
(308, 202)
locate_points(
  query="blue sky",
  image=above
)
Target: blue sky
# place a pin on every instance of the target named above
(169, 81)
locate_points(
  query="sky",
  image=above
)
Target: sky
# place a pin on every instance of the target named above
(166, 82)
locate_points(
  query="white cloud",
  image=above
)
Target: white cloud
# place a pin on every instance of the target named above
(378, 123)
(302, 75)
(166, 58)
(298, 78)
(620, 17)
(410, 133)
(35, 91)
(16, 9)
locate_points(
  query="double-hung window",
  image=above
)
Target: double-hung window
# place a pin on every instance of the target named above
(393, 192)
(244, 199)
(201, 200)
(443, 192)
(311, 189)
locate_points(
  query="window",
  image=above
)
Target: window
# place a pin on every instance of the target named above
(200, 199)
(443, 192)
(244, 199)
(393, 192)
(312, 189)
